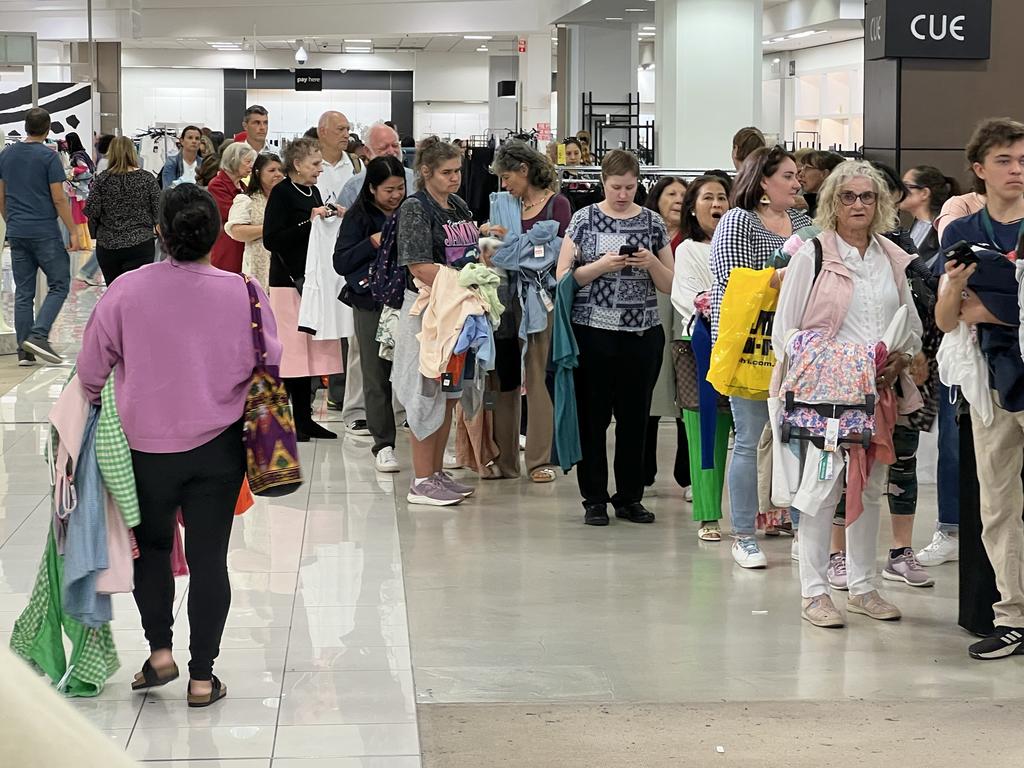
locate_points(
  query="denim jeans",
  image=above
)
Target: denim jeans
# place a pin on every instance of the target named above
(749, 417)
(28, 256)
(948, 470)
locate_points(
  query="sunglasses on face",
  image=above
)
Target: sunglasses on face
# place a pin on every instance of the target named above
(849, 198)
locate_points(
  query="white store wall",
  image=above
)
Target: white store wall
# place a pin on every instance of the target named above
(151, 95)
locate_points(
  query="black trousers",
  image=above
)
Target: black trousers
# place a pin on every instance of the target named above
(114, 262)
(204, 483)
(681, 468)
(380, 414)
(300, 390)
(616, 377)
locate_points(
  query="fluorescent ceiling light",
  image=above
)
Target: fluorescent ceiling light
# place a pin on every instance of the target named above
(478, 37)
(645, 34)
(613, 18)
(635, 10)
(358, 50)
(648, 29)
(777, 40)
(482, 49)
(807, 33)
(359, 41)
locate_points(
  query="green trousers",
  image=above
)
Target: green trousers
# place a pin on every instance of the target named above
(707, 484)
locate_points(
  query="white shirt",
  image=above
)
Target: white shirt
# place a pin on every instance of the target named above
(334, 177)
(692, 277)
(872, 307)
(188, 171)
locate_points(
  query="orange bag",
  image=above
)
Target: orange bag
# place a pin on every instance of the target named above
(245, 500)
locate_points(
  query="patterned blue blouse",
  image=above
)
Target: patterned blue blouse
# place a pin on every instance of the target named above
(618, 301)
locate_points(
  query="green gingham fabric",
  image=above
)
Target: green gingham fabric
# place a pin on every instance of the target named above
(37, 635)
(115, 458)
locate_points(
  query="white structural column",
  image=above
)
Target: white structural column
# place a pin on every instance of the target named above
(602, 59)
(535, 79)
(708, 78)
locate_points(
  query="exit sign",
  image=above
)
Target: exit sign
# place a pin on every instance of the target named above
(522, 45)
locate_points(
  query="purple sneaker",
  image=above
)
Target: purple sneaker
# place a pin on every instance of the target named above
(837, 578)
(907, 569)
(432, 493)
(452, 484)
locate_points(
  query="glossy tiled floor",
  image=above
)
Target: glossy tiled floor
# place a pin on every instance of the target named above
(316, 651)
(353, 613)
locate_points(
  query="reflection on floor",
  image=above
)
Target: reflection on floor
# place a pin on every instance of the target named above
(515, 609)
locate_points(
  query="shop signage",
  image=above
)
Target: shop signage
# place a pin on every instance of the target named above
(309, 79)
(927, 29)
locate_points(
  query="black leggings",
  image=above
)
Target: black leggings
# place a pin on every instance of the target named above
(204, 483)
(114, 262)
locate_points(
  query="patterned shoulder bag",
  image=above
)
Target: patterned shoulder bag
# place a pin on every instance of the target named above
(271, 445)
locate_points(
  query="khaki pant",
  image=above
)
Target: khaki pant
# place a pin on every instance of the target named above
(999, 449)
(540, 416)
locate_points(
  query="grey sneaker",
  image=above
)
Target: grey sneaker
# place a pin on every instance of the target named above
(40, 347)
(873, 605)
(432, 494)
(821, 612)
(907, 569)
(452, 484)
(837, 578)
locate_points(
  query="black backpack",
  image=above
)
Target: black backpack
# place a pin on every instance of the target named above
(387, 278)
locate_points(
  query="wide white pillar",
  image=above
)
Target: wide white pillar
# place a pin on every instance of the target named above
(535, 77)
(603, 60)
(708, 78)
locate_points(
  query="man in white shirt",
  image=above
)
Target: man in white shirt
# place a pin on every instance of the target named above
(345, 392)
(181, 168)
(381, 141)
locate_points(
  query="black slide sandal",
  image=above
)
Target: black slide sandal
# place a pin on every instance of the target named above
(219, 692)
(151, 679)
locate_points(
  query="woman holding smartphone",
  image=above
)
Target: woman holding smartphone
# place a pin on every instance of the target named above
(619, 254)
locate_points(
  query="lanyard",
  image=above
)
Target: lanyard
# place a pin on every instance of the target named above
(986, 220)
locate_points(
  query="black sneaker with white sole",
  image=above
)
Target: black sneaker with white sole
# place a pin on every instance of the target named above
(25, 359)
(40, 347)
(358, 427)
(1005, 641)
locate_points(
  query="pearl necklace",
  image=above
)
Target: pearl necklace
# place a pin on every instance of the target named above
(301, 191)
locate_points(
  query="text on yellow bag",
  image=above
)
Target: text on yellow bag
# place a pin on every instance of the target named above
(742, 359)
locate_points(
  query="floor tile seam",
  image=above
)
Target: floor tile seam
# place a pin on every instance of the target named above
(291, 614)
(22, 523)
(408, 629)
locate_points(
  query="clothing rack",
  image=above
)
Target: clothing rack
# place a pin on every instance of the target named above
(581, 173)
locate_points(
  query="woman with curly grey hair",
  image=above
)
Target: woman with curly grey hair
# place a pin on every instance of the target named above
(531, 218)
(850, 296)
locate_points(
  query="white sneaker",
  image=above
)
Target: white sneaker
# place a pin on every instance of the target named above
(748, 554)
(943, 549)
(794, 550)
(386, 460)
(688, 493)
(451, 461)
(522, 442)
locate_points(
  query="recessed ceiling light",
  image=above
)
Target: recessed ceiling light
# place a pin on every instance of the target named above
(613, 18)
(766, 42)
(359, 41)
(478, 37)
(648, 29)
(635, 10)
(482, 49)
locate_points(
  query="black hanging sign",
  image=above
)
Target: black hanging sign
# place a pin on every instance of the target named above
(927, 29)
(309, 79)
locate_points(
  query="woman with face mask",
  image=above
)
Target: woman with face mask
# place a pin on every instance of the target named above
(705, 203)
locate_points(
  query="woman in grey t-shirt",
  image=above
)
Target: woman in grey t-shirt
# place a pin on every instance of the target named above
(620, 256)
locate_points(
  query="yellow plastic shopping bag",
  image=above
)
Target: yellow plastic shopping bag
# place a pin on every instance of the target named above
(742, 359)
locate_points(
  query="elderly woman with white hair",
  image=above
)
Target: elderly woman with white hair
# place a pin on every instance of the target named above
(235, 165)
(844, 292)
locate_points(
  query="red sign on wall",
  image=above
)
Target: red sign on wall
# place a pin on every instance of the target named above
(522, 45)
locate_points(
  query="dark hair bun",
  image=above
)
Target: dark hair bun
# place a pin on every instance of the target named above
(189, 222)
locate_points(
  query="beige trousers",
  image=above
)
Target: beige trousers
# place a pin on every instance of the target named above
(540, 417)
(999, 449)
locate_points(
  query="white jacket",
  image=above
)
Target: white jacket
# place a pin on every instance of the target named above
(320, 311)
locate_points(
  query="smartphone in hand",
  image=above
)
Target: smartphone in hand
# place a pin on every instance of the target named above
(628, 250)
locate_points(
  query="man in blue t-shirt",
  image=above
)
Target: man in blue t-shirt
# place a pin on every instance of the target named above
(31, 198)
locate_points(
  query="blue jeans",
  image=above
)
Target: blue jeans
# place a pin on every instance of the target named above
(28, 256)
(749, 418)
(948, 470)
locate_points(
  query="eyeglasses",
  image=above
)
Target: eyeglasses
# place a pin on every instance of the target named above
(849, 198)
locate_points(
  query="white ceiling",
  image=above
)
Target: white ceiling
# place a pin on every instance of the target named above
(333, 44)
